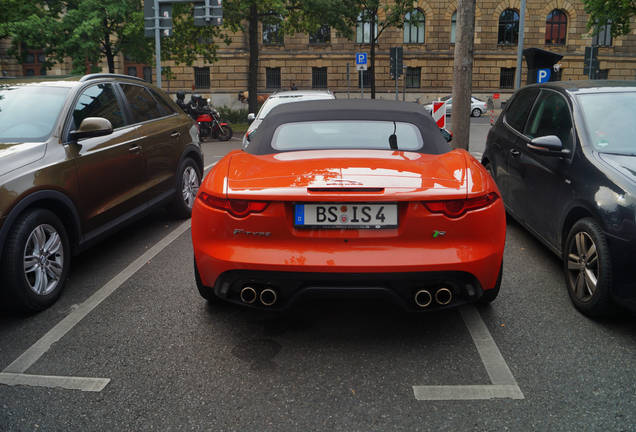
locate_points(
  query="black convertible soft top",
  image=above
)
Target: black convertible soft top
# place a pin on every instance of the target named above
(355, 109)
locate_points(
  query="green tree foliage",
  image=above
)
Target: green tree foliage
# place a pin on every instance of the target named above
(616, 12)
(291, 15)
(382, 14)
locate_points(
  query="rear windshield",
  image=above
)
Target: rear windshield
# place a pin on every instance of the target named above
(346, 134)
(29, 113)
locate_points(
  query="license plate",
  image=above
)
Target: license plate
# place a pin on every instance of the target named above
(346, 215)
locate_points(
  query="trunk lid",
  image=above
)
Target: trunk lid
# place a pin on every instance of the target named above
(345, 174)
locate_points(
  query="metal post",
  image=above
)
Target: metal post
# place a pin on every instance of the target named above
(157, 44)
(522, 21)
(361, 85)
(404, 86)
(589, 72)
(348, 83)
(397, 74)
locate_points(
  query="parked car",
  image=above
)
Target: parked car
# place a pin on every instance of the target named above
(78, 159)
(564, 157)
(281, 98)
(348, 196)
(477, 106)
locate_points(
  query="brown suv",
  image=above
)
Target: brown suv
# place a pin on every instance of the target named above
(78, 159)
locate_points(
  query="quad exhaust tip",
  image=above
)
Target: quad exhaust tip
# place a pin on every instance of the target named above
(248, 295)
(443, 296)
(268, 297)
(423, 298)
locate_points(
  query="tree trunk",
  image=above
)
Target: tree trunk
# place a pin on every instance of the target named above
(108, 51)
(463, 73)
(252, 74)
(373, 19)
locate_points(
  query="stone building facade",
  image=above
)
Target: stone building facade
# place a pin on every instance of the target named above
(323, 61)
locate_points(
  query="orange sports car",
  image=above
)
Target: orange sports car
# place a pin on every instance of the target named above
(350, 197)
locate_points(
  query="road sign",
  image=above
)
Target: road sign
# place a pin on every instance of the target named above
(543, 75)
(165, 19)
(439, 114)
(361, 61)
(210, 13)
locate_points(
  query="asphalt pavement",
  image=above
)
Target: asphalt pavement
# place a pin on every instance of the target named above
(146, 352)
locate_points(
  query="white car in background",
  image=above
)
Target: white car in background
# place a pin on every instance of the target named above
(477, 106)
(280, 98)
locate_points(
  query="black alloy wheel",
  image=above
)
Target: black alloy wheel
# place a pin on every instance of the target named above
(588, 268)
(476, 112)
(225, 133)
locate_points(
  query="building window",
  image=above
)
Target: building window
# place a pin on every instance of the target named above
(414, 27)
(603, 74)
(272, 34)
(319, 77)
(320, 36)
(132, 71)
(272, 78)
(148, 74)
(556, 26)
(507, 78)
(366, 76)
(363, 28)
(453, 26)
(603, 36)
(202, 77)
(508, 27)
(556, 75)
(412, 77)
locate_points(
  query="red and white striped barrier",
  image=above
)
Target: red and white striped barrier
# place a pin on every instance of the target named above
(439, 114)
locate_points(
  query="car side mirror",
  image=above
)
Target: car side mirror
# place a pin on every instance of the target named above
(549, 145)
(92, 127)
(251, 117)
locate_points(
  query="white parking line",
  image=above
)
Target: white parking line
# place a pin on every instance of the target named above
(503, 382)
(69, 383)
(14, 373)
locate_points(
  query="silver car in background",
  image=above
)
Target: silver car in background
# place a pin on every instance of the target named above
(280, 98)
(477, 106)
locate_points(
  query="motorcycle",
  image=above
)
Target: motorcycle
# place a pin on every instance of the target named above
(208, 119)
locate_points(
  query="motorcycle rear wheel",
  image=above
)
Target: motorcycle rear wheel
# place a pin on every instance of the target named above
(225, 133)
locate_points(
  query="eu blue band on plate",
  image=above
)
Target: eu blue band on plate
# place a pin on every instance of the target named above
(299, 217)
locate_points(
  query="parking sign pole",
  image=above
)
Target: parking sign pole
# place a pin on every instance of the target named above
(157, 44)
(361, 85)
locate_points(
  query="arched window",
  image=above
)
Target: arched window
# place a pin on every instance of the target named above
(414, 26)
(556, 27)
(453, 25)
(508, 27)
(363, 28)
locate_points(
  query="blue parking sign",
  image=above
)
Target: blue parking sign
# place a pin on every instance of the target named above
(543, 75)
(361, 58)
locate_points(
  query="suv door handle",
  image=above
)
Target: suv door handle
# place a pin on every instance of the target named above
(176, 134)
(515, 152)
(134, 149)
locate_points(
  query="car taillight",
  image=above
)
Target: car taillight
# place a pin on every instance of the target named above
(237, 208)
(457, 208)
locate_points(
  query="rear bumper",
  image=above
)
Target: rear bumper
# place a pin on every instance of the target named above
(399, 288)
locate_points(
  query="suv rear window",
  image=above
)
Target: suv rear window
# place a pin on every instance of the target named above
(346, 134)
(143, 106)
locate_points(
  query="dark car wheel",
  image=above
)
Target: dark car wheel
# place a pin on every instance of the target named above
(476, 112)
(36, 260)
(206, 292)
(188, 181)
(490, 295)
(588, 268)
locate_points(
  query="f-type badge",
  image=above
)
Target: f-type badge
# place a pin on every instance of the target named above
(438, 233)
(239, 231)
